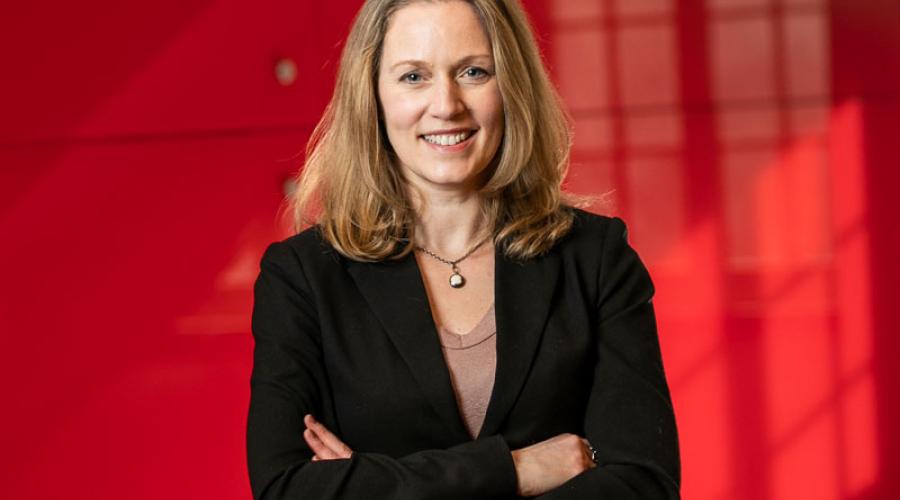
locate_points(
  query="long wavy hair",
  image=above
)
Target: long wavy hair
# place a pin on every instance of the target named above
(350, 184)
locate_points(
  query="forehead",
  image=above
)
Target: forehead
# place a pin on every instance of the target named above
(434, 31)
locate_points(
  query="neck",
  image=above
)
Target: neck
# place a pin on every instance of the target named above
(449, 224)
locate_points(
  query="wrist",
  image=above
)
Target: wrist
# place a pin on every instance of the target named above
(519, 465)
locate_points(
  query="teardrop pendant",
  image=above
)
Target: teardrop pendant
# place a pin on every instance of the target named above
(457, 280)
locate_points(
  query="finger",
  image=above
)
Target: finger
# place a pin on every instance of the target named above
(327, 450)
(324, 434)
(327, 437)
(314, 443)
(317, 446)
(315, 440)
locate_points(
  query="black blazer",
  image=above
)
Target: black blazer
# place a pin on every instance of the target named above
(355, 344)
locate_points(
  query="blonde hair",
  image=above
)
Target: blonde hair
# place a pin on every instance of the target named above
(350, 187)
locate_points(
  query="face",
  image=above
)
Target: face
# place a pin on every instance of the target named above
(440, 101)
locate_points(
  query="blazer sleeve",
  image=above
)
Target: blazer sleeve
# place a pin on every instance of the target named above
(629, 418)
(289, 380)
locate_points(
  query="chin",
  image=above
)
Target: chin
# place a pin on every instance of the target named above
(452, 180)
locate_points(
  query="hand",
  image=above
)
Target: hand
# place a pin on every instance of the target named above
(324, 444)
(543, 466)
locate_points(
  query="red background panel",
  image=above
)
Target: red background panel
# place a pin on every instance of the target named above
(101, 68)
(750, 145)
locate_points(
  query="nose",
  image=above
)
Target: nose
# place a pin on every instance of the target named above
(446, 100)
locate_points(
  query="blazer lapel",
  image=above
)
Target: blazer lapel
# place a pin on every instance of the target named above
(395, 292)
(523, 293)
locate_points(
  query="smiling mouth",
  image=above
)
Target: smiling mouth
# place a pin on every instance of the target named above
(449, 139)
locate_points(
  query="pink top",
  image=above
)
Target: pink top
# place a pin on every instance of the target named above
(472, 360)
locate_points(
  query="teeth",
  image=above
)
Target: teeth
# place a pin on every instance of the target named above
(447, 140)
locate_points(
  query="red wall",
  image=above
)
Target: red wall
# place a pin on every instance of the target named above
(749, 144)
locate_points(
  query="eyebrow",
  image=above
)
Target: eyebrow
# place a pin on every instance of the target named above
(461, 62)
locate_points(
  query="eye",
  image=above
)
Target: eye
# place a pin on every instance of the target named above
(411, 77)
(476, 73)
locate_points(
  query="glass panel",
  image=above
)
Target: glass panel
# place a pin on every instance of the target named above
(581, 68)
(575, 10)
(806, 64)
(741, 59)
(648, 65)
(743, 124)
(664, 130)
(642, 7)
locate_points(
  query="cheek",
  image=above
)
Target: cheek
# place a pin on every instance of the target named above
(399, 112)
(491, 111)
(493, 116)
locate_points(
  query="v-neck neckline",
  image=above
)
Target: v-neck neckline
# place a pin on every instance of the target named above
(483, 330)
(395, 290)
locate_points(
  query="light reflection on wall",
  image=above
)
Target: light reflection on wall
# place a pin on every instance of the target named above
(854, 380)
(762, 284)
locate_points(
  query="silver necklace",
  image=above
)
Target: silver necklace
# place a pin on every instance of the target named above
(456, 279)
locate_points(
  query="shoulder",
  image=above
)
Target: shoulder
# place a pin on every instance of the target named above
(597, 246)
(303, 253)
(306, 245)
(600, 244)
(303, 264)
(591, 232)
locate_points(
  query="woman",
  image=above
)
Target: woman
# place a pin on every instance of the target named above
(450, 328)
